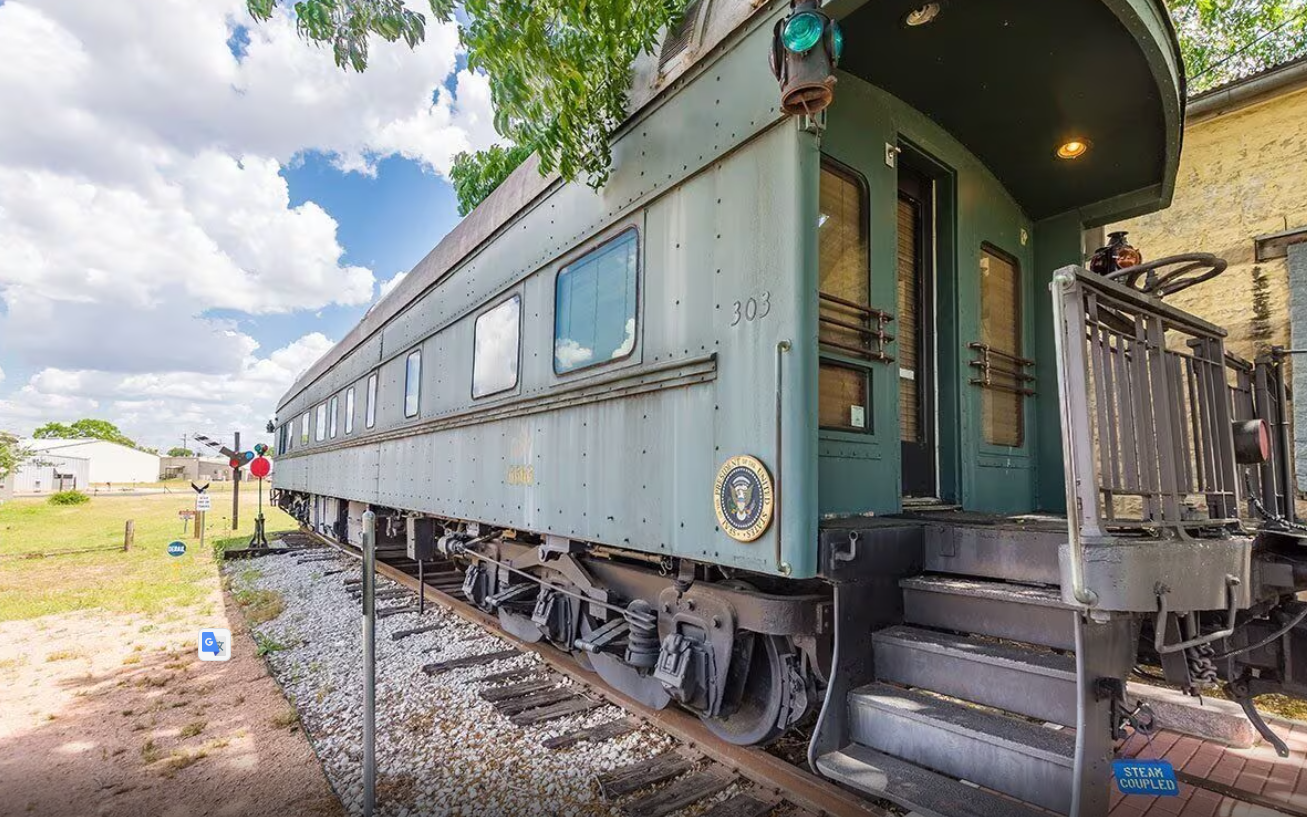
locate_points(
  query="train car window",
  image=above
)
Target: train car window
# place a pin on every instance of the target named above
(412, 382)
(320, 427)
(334, 411)
(843, 393)
(304, 429)
(349, 410)
(495, 348)
(1002, 408)
(843, 251)
(595, 304)
(843, 240)
(370, 410)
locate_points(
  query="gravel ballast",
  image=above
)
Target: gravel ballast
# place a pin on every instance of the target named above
(441, 749)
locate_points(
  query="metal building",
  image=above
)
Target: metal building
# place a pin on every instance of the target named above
(48, 472)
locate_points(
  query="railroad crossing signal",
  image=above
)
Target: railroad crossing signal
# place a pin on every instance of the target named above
(216, 446)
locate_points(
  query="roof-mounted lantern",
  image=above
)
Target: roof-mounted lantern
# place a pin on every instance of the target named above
(806, 47)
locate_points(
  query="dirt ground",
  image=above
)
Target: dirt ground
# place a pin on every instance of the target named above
(114, 714)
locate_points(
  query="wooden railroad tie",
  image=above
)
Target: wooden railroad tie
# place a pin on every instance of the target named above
(548, 697)
(497, 694)
(425, 628)
(512, 674)
(382, 595)
(387, 612)
(683, 791)
(572, 706)
(469, 661)
(592, 734)
(656, 769)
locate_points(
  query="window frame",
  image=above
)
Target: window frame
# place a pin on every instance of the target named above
(370, 397)
(304, 428)
(517, 372)
(333, 415)
(629, 230)
(320, 422)
(834, 357)
(417, 387)
(1020, 449)
(349, 411)
(869, 426)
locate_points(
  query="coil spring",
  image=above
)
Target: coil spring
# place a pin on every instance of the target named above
(1202, 669)
(642, 640)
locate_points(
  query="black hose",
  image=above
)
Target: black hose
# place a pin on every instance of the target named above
(1302, 614)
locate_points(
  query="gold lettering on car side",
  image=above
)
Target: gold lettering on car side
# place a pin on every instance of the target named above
(521, 475)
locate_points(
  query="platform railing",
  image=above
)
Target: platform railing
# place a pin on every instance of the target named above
(1259, 391)
(1146, 410)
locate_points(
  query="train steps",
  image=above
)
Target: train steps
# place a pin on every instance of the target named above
(973, 709)
(996, 551)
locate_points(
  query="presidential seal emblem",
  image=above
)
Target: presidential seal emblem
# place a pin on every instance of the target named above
(743, 497)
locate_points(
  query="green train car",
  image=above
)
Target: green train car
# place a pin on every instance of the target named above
(782, 424)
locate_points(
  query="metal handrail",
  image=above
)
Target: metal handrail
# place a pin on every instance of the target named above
(1064, 279)
(782, 347)
(857, 307)
(985, 347)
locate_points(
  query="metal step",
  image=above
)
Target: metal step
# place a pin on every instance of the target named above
(1016, 678)
(1018, 554)
(1036, 615)
(1025, 760)
(921, 790)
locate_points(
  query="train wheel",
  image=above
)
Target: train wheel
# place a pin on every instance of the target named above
(770, 692)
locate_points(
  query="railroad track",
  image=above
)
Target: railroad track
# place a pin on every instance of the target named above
(698, 769)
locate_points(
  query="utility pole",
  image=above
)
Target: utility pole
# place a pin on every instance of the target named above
(236, 487)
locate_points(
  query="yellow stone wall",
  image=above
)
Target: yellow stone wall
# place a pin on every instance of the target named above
(1242, 174)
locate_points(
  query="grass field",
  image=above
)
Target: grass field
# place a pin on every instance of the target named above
(144, 580)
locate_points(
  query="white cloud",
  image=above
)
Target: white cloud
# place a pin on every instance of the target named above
(384, 287)
(155, 408)
(141, 188)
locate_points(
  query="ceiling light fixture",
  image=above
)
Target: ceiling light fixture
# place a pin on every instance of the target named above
(1072, 148)
(922, 16)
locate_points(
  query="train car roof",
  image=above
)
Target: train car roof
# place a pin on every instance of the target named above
(1138, 89)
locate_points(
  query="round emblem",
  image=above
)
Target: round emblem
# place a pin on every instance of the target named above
(742, 497)
(177, 549)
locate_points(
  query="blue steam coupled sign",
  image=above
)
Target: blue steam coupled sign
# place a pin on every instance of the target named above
(176, 548)
(1150, 777)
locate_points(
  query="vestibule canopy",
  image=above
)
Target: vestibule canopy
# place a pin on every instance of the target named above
(1014, 80)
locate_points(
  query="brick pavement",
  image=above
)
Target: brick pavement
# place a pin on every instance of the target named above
(1257, 771)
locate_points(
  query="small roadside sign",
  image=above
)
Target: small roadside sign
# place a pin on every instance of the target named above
(1155, 778)
(185, 513)
(203, 502)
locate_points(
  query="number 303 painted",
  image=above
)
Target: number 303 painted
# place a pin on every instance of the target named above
(753, 309)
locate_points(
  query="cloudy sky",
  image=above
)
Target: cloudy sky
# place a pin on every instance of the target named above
(193, 208)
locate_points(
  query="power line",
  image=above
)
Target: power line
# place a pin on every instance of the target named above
(1250, 44)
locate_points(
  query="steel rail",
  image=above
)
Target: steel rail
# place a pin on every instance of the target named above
(800, 787)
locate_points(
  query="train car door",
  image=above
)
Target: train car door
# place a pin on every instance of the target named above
(916, 332)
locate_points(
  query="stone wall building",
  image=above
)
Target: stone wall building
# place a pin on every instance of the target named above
(1241, 194)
